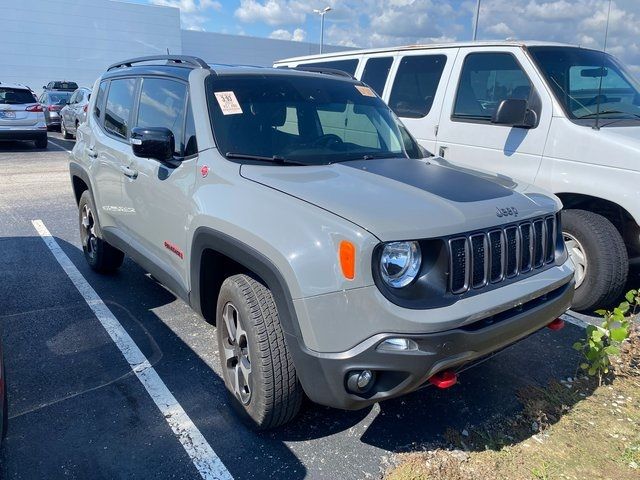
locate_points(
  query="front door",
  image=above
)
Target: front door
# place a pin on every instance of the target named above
(159, 192)
(479, 82)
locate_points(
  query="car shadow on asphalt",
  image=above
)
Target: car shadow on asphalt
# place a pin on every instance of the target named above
(57, 144)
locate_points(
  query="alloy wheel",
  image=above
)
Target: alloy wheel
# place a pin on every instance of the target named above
(88, 231)
(578, 257)
(237, 360)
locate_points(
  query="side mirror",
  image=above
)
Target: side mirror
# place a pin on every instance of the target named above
(153, 142)
(514, 112)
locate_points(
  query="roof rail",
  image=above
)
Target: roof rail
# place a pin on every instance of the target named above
(181, 60)
(326, 71)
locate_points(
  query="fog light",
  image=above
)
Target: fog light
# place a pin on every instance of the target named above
(360, 381)
(397, 345)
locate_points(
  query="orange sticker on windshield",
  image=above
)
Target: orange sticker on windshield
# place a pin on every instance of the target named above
(228, 103)
(366, 91)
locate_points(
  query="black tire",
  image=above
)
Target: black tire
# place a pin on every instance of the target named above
(274, 393)
(607, 264)
(100, 255)
(42, 142)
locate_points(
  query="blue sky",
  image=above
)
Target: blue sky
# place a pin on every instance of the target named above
(376, 23)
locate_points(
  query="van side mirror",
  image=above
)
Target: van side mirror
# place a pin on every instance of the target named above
(153, 142)
(514, 112)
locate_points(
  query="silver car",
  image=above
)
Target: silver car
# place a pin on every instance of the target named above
(52, 102)
(294, 210)
(21, 116)
(75, 112)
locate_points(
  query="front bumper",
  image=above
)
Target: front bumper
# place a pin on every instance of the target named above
(23, 132)
(323, 375)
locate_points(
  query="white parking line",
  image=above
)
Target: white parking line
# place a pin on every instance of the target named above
(59, 146)
(202, 455)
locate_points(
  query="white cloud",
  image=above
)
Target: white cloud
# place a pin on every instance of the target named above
(298, 35)
(192, 12)
(501, 29)
(272, 12)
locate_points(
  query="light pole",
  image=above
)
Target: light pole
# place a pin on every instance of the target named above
(322, 13)
(475, 23)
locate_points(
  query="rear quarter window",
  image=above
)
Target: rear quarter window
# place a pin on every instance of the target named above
(415, 85)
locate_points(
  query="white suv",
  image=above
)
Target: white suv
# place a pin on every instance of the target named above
(21, 116)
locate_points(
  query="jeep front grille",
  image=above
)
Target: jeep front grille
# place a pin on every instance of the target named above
(483, 258)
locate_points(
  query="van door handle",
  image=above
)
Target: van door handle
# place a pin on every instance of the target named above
(442, 150)
(92, 153)
(129, 172)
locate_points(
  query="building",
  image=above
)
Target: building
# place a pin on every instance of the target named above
(44, 40)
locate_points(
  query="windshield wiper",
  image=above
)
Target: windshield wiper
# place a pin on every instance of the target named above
(264, 158)
(605, 112)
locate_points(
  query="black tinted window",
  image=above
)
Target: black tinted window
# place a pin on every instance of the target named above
(100, 99)
(162, 105)
(486, 80)
(415, 85)
(119, 105)
(376, 72)
(348, 66)
(190, 143)
(9, 96)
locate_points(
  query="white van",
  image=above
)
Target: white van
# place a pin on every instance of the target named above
(561, 117)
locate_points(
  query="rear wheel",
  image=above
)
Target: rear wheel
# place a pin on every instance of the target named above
(41, 142)
(100, 255)
(599, 256)
(257, 369)
(66, 135)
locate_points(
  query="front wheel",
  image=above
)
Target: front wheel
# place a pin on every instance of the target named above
(257, 369)
(100, 255)
(599, 256)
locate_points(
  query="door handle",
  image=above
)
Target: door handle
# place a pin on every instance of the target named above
(442, 151)
(129, 172)
(92, 153)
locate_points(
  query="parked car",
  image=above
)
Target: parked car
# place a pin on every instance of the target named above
(61, 85)
(561, 117)
(295, 210)
(52, 102)
(75, 112)
(21, 116)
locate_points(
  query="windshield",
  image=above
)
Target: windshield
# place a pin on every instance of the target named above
(312, 120)
(582, 79)
(59, 98)
(12, 96)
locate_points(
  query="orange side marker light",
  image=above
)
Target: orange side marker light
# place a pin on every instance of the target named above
(348, 259)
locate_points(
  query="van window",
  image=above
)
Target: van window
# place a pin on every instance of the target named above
(97, 110)
(162, 104)
(415, 85)
(348, 66)
(119, 104)
(376, 72)
(486, 80)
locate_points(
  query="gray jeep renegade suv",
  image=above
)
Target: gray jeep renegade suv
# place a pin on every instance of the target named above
(294, 210)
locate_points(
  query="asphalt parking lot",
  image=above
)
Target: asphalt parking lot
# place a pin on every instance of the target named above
(77, 410)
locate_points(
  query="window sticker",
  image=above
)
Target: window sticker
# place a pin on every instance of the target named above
(366, 91)
(228, 103)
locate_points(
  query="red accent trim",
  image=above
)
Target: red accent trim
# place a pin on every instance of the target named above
(173, 248)
(557, 324)
(444, 379)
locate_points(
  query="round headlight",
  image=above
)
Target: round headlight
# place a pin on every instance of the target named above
(400, 263)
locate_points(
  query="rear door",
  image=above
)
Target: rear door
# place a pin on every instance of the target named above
(159, 193)
(110, 151)
(418, 89)
(481, 79)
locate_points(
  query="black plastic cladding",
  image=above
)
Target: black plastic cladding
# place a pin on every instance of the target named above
(431, 288)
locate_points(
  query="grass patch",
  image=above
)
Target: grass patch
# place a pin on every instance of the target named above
(566, 430)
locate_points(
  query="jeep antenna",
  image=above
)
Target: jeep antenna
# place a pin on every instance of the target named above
(604, 56)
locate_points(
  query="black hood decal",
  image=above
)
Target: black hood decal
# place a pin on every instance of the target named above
(449, 183)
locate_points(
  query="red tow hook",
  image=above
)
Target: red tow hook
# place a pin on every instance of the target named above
(557, 324)
(445, 379)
